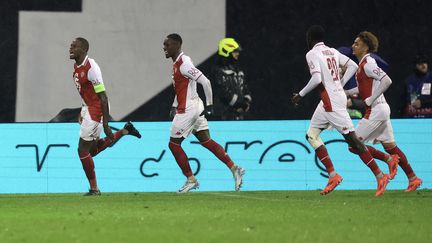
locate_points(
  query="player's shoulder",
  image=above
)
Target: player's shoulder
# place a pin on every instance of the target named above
(186, 62)
(370, 62)
(312, 53)
(185, 58)
(92, 62)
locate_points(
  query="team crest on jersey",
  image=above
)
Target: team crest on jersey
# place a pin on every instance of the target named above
(82, 74)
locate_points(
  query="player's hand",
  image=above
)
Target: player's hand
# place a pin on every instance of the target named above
(349, 102)
(208, 111)
(368, 101)
(108, 132)
(173, 112)
(296, 99)
(417, 104)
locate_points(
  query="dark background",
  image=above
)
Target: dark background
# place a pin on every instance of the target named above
(272, 34)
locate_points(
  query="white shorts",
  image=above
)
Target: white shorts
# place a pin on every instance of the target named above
(189, 122)
(90, 130)
(369, 131)
(337, 119)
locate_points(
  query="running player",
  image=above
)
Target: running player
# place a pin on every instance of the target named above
(324, 63)
(375, 127)
(94, 112)
(190, 115)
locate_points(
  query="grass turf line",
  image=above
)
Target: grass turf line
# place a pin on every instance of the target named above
(253, 216)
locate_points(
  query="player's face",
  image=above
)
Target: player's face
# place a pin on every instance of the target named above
(422, 67)
(236, 55)
(75, 50)
(359, 47)
(170, 48)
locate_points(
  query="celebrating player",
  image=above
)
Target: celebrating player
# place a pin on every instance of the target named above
(376, 127)
(190, 114)
(324, 63)
(94, 112)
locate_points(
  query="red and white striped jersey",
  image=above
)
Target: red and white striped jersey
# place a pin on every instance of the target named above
(185, 76)
(368, 77)
(88, 80)
(326, 61)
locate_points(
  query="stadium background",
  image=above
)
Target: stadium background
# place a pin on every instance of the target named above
(126, 41)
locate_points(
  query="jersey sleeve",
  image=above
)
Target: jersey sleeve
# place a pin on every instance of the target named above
(343, 60)
(373, 71)
(313, 63)
(188, 70)
(95, 77)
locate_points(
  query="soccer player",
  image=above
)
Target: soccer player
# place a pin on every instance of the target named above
(190, 114)
(376, 127)
(324, 63)
(94, 112)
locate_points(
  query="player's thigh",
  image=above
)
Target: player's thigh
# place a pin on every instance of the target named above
(182, 125)
(386, 135)
(341, 121)
(319, 119)
(90, 130)
(369, 130)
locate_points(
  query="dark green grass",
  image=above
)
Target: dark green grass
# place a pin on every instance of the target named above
(263, 216)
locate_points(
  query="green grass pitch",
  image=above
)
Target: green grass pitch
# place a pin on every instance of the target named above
(252, 216)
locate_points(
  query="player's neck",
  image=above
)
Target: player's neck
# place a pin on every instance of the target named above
(79, 60)
(360, 56)
(174, 58)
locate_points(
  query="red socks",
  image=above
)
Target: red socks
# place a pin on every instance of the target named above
(403, 161)
(217, 150)
(367, 158)
(181, 158)
(323, 156)
(88, 166)
(377, 154)
(104, 143)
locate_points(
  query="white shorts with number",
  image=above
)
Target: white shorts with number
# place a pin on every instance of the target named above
(370, 131)
(90, 130)
(189, 122)
(337, 119)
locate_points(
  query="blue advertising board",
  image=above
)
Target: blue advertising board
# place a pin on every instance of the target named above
(42, 158)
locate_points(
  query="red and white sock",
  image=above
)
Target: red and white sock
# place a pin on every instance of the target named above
(104, 143)
(403, 161)
(218, 151)
(88, 166)
(323, 156)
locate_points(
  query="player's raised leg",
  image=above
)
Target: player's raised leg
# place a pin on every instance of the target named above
(103, 143)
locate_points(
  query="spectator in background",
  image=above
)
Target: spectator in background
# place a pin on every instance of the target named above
(232, 92)
(356, 107)
(418, 89)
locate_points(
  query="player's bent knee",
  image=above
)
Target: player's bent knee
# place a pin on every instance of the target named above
(312, 136)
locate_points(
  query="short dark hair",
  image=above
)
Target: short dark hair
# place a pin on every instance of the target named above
(370, 40)
(175, 37)
(421, 58)
(84, 43)
(316, 33)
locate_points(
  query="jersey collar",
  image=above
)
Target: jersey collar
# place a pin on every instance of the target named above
(319, 44)
(181, 54)
(85, 60)
(364, 57)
